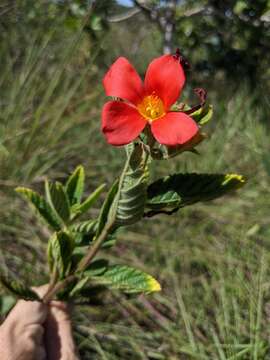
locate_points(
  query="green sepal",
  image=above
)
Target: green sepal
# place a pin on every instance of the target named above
(169, 194)
(85, 206)
(75, 185)
(41, 206)
(203, 115)
(58, 200)
(60, 249)
(17, 288)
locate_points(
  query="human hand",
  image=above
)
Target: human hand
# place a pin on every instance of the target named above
(58, 338)
(35, 331)
(21, 335)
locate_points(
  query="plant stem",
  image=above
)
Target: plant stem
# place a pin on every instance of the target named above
(96, 246)
(53, 281)
(59, 286)
(55, 288)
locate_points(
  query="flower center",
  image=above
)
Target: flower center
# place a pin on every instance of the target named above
(151, 107)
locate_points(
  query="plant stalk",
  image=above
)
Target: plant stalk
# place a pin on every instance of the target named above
(59, 286)
(96, 246)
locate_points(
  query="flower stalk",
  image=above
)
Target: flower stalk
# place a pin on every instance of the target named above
(146, 117)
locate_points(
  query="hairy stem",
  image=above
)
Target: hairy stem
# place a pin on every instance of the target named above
(96, 246)
(53, 281)
(57, 287)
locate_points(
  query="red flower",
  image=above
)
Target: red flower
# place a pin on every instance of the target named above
(148, 103)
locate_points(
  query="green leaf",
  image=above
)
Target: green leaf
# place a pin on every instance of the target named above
(104, 213)
(96, 268)
(173, 192)
(75, 185)
(78, 287)
(128, 279)
(84, 232)
(96, 23)
(58, 200)
(81, 209)
(85, 227)
(17, 288)
(60, 249)
(128, 206)
(203, 115)
(41, 206)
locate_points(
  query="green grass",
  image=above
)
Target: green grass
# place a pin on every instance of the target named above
(212, 259)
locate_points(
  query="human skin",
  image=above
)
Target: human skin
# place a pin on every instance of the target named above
(35, 331)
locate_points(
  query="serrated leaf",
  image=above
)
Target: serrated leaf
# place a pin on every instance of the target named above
(58, 200)
(87, 293)
(41, 206)
(104, 213)
(84, 232)
(85, 227)
(81, 209)
(96, 268)
(78, 287)
(173, 192)
(60, 249)
(128, 206)
(128, 280)
(75, 185)
(17, 288)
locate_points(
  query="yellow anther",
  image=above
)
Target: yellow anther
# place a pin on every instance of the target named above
(151, 108)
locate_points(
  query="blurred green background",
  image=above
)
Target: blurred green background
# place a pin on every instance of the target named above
(211, 259)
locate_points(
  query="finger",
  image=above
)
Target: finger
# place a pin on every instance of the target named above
(36, 333)
(28, 312)
(60, 311)
(41, 290)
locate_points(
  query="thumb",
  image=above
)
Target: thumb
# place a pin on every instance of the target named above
(28, 312)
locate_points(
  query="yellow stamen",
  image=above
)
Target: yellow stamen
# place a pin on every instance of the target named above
(151, 108)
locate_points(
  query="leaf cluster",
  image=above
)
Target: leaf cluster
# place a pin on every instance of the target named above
(73, 245)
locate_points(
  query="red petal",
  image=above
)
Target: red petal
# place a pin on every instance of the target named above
(123, 81)
(121, 123)
(175, 128)
(165, 76)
